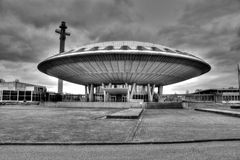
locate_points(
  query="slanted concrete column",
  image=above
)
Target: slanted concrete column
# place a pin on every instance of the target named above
(128, 95)
(128, 92)
(132, 91)
(91, 98)
(160, 91)
(86, 93)
(153, 87)
(105, 97)
(150, 91)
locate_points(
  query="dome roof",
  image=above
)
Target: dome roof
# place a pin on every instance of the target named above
(128, 46)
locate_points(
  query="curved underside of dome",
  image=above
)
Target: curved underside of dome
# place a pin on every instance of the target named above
(122, 62)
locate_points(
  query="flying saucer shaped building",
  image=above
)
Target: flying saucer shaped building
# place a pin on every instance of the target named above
(123, 70)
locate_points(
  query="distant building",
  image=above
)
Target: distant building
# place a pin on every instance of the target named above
(18, 91)
(223, 95)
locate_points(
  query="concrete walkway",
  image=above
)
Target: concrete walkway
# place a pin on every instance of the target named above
(225, 112)
(132, 113)
(196, 151)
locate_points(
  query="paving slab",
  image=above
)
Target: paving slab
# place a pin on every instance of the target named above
(132, 113)
(171, 125)
(221, 111)
(26, 124)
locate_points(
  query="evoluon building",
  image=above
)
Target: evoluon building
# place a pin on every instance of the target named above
(124, 70)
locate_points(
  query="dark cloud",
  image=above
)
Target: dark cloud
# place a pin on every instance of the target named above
(185, 34)
(211, 28)
(121, 32)
(225, 60)
(25, 26)
(19, 42)
(202, 11)
(79, 13)
(204, 23)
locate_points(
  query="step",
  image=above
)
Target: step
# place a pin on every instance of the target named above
(225, 112)
(132, 113)
(164, 105)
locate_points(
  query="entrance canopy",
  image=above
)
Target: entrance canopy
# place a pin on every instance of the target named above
(116, 90)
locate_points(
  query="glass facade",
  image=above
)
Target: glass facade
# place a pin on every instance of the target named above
(11, 95)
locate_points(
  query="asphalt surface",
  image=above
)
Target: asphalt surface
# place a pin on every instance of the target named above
(196, 151)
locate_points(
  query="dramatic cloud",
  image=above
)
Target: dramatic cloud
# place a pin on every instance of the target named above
(27, 30)
(121, 32)
(209, 29)
(25, 25)
(79, 13)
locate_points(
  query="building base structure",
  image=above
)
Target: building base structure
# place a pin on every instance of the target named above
(123, 93)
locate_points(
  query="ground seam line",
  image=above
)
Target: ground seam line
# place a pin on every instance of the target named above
(133, 133)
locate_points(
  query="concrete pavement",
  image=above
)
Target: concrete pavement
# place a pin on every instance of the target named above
(196, 151)
(25, 124)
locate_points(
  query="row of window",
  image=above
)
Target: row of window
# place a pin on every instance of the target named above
(231, 98)
(8, 95)
(125, 47)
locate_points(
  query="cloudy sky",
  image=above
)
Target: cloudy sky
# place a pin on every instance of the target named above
(209, 29)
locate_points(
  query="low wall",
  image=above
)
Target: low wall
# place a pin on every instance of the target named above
(164, 105)
(94, 104)
(195, 105)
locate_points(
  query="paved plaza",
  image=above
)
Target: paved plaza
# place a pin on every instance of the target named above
(194, 151)
(41, 124)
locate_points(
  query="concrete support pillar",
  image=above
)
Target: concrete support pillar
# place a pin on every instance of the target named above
(91, 98)
(31, 96)
(128, 92)
(105, 96)
(153, 87)
(86, 93)
(60, 86)
(160, 91)
(132, 91)
(9, 98)
(17, 96)
(128, 95)
(150, 91)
